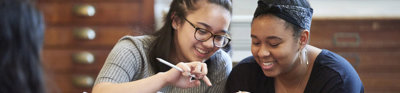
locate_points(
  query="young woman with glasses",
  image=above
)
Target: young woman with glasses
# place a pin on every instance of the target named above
(191, 38)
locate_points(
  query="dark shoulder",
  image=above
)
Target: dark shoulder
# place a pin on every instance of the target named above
(334, 62)
(334, 73)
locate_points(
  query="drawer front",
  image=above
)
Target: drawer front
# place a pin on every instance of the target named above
(103, 13)
(356, 40)
(68, 37)
(380, 82)
(378, 70)
(63, 60)
(68, 82)
(373, 61)
(355, 34)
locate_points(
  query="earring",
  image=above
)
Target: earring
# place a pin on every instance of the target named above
(303, 56)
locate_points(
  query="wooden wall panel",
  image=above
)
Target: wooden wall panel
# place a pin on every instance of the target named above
(372, 46)
(112, 20)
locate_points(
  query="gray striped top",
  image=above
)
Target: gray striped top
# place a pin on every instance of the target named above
(127, 62)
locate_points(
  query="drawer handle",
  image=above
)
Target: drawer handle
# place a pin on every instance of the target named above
(345, 39)
(85, 33)
(84, 58)
(85, 10)
(84, 81)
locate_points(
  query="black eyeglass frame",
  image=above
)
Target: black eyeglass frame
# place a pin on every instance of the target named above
(212, 35)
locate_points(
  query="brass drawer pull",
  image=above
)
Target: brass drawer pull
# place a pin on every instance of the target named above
(85, 33)
(84, 10)
(84, 81)
(84, 58)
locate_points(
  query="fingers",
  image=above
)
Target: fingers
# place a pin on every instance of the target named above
(207, 81)
(204, 69)
(193, 84)
(199, 68)
(186, 69)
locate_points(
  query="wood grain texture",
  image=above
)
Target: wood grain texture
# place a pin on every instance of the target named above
(107, 13)
(112, 20)
(106, 36)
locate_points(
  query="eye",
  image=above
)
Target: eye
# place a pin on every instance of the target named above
(202, 31)
(255, 42)
(219, 38)
(274, 44)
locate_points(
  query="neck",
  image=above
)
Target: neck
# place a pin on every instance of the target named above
(296, 79)
(175, 55)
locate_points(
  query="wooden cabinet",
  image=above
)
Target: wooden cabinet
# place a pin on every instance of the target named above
(80, 34)
(371, 45)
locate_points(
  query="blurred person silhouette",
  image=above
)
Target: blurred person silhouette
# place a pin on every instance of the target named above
(21, 39)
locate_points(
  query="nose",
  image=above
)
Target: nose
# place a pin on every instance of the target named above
(209, 43)
(264, 51)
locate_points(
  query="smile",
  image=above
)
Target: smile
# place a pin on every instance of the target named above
(202, 51)
(267, 64)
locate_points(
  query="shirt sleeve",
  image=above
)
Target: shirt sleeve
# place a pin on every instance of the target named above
(219, 71)
(122, 63)
(338, 84)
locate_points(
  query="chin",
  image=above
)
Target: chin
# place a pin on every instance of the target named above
(270, 73)
(195, 58)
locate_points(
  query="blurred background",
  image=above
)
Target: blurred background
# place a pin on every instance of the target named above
(80, 34)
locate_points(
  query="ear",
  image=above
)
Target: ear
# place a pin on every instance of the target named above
(304, 36)
(175, 22)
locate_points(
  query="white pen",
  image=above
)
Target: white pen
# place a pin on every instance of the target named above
(173, 66)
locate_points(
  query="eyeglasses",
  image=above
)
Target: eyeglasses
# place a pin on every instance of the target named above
(203, 35)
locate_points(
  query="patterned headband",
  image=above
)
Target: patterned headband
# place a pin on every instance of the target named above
(296, 15)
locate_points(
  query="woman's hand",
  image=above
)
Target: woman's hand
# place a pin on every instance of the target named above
(183, 79)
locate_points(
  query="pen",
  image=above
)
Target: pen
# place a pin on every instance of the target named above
(173, 66)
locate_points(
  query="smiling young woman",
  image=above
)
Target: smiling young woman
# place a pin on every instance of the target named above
(282, 60)
(191, 38)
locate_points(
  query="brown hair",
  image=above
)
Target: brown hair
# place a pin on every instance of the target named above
(160, 47)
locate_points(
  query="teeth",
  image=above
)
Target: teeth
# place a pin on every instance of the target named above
(201, 51)
(267, 64)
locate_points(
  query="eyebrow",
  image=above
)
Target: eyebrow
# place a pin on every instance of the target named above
(253, 36)
(268, 38)
(273, 37)
(210, 28)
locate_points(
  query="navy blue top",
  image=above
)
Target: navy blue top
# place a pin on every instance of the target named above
(331, 73)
